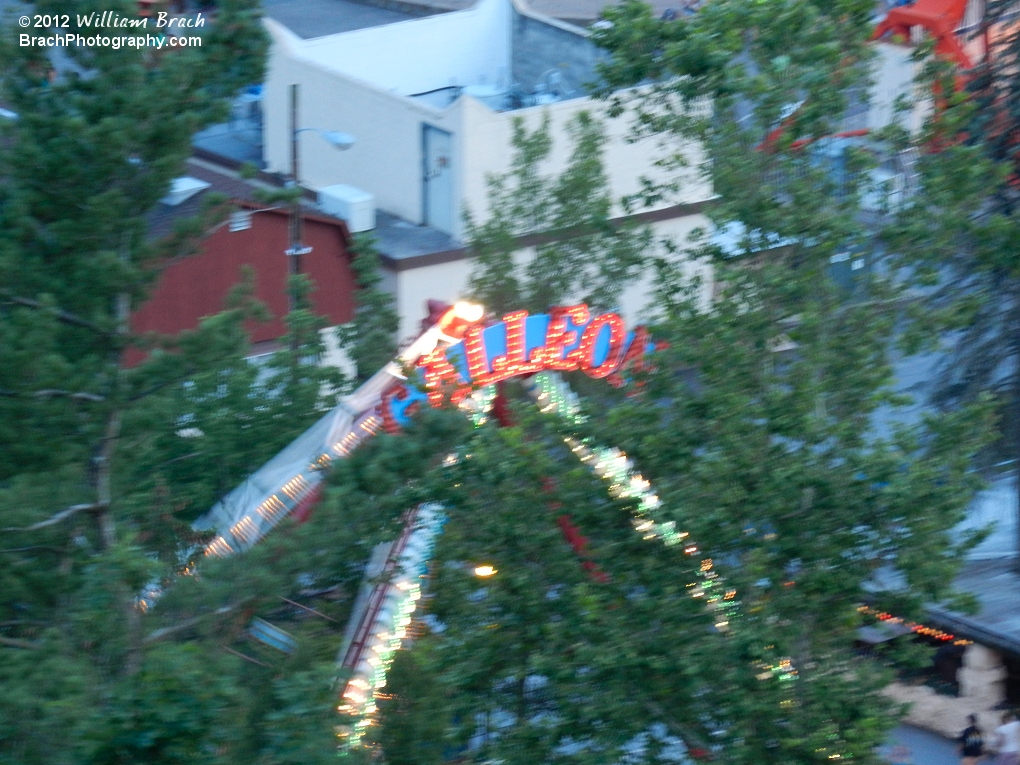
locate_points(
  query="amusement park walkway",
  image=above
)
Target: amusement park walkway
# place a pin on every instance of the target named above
(913, 746)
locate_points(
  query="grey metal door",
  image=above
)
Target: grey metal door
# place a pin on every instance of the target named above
(437, 178)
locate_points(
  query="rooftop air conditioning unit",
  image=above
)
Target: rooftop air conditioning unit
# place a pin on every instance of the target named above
(355, 206)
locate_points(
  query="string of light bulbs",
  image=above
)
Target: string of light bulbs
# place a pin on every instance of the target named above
(554, 396)
(916, 627)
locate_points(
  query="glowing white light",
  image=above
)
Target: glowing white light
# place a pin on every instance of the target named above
(484, 571)
(468, 311)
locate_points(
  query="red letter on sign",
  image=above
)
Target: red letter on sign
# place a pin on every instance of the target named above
(438, 370)
(558, 339)
(617, 334)
(514, 363)
(474, 348)
(397, 390)
(634, 357)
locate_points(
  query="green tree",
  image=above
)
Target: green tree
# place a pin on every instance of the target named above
(959, 236)
(369, 340)
(797, 510)
(580, 252)
(104, 467)
(414, 717)
(996, 119)
(756, 425)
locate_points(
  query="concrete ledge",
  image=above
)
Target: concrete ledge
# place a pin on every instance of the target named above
(577, 13)
(417, 9)
(450, 254)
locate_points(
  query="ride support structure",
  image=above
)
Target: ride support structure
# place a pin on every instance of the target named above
(941, 18)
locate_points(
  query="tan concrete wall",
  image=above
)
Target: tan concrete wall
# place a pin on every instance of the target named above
(982, 687)
(449, 281)
(486, 146)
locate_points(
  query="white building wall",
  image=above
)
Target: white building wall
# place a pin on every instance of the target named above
(333, 355)
(446, 282)
(358, 81)
(386, 158)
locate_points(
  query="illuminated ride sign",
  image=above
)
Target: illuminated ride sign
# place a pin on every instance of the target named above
(567, 339)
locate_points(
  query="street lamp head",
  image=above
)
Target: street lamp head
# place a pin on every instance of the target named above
(334, 138)
(337, 140)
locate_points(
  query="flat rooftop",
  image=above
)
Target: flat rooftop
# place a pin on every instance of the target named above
(496, 50)
(316, 18)
(996, 584)
(403, 245)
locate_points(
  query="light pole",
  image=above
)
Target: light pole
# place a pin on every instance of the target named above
(339, 141)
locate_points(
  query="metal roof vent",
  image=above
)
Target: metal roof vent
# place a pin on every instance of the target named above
(240, 220)
(182, 189)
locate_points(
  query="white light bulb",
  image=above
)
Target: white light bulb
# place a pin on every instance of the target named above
(468, 311)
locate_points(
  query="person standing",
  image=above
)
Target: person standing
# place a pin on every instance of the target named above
(1007, 737)
(972, 743)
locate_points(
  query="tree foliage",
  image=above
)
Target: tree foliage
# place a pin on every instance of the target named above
(769, 428)
(104, 466)
(763, 462)
(958, 236)
(369, 340)
(579, 251)
(996, 120)
(755, 423)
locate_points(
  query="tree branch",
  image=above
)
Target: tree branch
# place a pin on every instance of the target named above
(688, 735)
(75, 395)
(53, 393)
(49, 548)
(62, 515)
(244, 656)
(65, 316)
(15, 643)
(309, 610)
(178, 459)
(165, 632)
